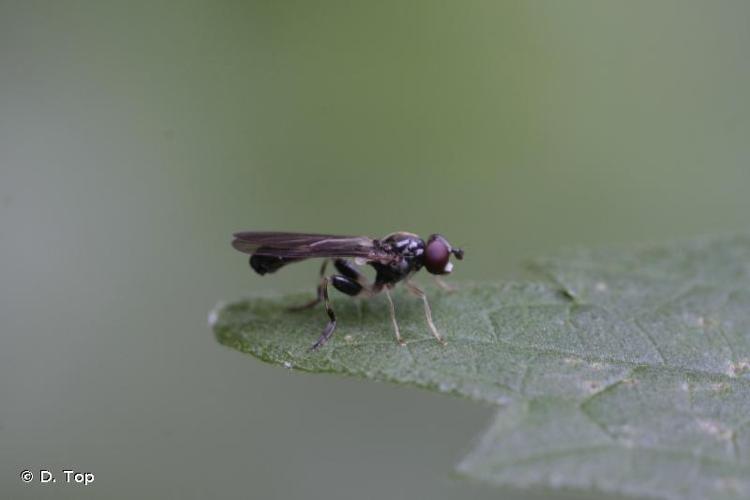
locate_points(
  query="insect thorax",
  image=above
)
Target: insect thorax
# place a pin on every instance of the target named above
(410, 248)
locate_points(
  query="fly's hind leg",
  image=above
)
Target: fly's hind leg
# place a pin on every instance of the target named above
(331, 326)
(344, 285)
(318, 295)
(346, 269)
(427, 311)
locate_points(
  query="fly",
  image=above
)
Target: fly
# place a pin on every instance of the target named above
(395, 258)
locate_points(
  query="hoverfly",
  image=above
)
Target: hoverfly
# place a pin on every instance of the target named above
(395, 258)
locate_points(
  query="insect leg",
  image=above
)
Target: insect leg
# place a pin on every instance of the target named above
(427, 311)
(331, 326)
(393, 317)
(318, 295)
(352, 282)
(445, 286)
(347, 269)
(346, 285)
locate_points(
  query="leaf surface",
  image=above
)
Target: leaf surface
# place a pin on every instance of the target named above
(627, 372)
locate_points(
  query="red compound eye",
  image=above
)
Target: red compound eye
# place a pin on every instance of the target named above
(436, 256)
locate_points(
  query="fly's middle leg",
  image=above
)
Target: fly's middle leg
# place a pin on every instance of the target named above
(351, 282)
(392, 308)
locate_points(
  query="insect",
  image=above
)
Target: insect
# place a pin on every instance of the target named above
(395, 258)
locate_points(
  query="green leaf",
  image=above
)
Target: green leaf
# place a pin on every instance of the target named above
(626, 373)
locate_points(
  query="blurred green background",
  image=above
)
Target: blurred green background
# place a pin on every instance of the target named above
(135, 137)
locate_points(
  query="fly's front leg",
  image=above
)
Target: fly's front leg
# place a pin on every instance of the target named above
(427, 311)
(444, 285)
(318, 295)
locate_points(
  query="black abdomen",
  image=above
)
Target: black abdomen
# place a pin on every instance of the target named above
(263, 264)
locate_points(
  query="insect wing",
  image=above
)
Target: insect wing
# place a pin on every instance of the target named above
(308, 245)
(250, 241)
